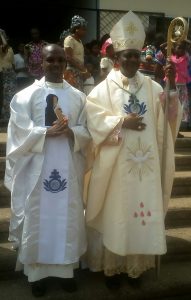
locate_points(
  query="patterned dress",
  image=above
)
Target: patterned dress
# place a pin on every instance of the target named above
(182, 78)
(72, 74)
(9, 82)
(35, 58)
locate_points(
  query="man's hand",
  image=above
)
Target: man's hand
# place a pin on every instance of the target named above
(134, 122)
(170, 73)
(60, 127)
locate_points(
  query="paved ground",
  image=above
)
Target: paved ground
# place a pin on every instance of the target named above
(187, 133)
(171, 285)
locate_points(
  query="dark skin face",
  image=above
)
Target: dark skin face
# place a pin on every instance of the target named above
(54, 63)
(95, 50)
(180, 50)
(110, 52)
(21, 47)
(35, 34)
(80, 32)
(129, 61)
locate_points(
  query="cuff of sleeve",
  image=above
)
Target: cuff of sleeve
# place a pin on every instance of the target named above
(38, 147)
(115, 136)
(76, 143)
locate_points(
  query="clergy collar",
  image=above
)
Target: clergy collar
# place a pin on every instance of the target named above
(55, 84)
(43, 83)
(132, 84)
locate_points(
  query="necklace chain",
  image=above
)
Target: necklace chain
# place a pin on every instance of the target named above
(127, 90)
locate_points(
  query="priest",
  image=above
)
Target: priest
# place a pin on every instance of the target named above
(44, 172)
(126, 204)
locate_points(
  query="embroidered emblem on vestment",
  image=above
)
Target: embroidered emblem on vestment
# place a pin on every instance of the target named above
(140, 159)
(131, 28)
(134, 106)
(55, 184)
(143, 214)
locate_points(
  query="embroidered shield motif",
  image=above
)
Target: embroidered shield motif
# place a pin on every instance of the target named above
(134, 106)
(55, 184)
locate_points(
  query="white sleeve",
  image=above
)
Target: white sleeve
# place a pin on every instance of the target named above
(81, 133)
(23, 134)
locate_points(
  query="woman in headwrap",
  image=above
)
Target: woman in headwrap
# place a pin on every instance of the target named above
(108, 58)
(9, 76)
(76, 72)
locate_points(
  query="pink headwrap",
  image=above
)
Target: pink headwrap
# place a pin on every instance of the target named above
(107, 43)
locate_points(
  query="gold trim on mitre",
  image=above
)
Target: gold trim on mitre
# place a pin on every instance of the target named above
(128, 33)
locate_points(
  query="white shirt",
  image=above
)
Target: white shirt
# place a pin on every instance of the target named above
(19, 63)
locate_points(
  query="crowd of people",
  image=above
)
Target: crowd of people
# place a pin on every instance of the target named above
(85, 171)
(89, 64)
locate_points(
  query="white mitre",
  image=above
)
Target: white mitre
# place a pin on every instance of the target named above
(128, 33)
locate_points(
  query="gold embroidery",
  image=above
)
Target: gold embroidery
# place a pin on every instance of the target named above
(127, 44)
(131, 28)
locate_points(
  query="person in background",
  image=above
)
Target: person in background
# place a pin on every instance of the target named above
(147, 65)
(9, 76)
(76, 71)
(21, 68)
(108, 58)
(46, 145)
(181, 60)
(89, 83)
(189, 83)
(33, 52)
(3, 44)
(104, 38)
(93, 57)
(160, 63)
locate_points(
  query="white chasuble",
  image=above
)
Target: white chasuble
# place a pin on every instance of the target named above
(125, 204)
(54, 206)
(45, 177)
(134, 192)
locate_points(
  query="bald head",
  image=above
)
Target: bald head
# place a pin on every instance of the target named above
(52, 48)
(54, 62)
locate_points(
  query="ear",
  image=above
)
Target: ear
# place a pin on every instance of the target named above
(116, 63)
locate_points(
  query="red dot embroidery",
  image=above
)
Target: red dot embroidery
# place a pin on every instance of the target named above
(141, 205)
(148, 213)
(142, 214)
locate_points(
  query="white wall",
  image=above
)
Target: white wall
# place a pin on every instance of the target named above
(172, 8)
